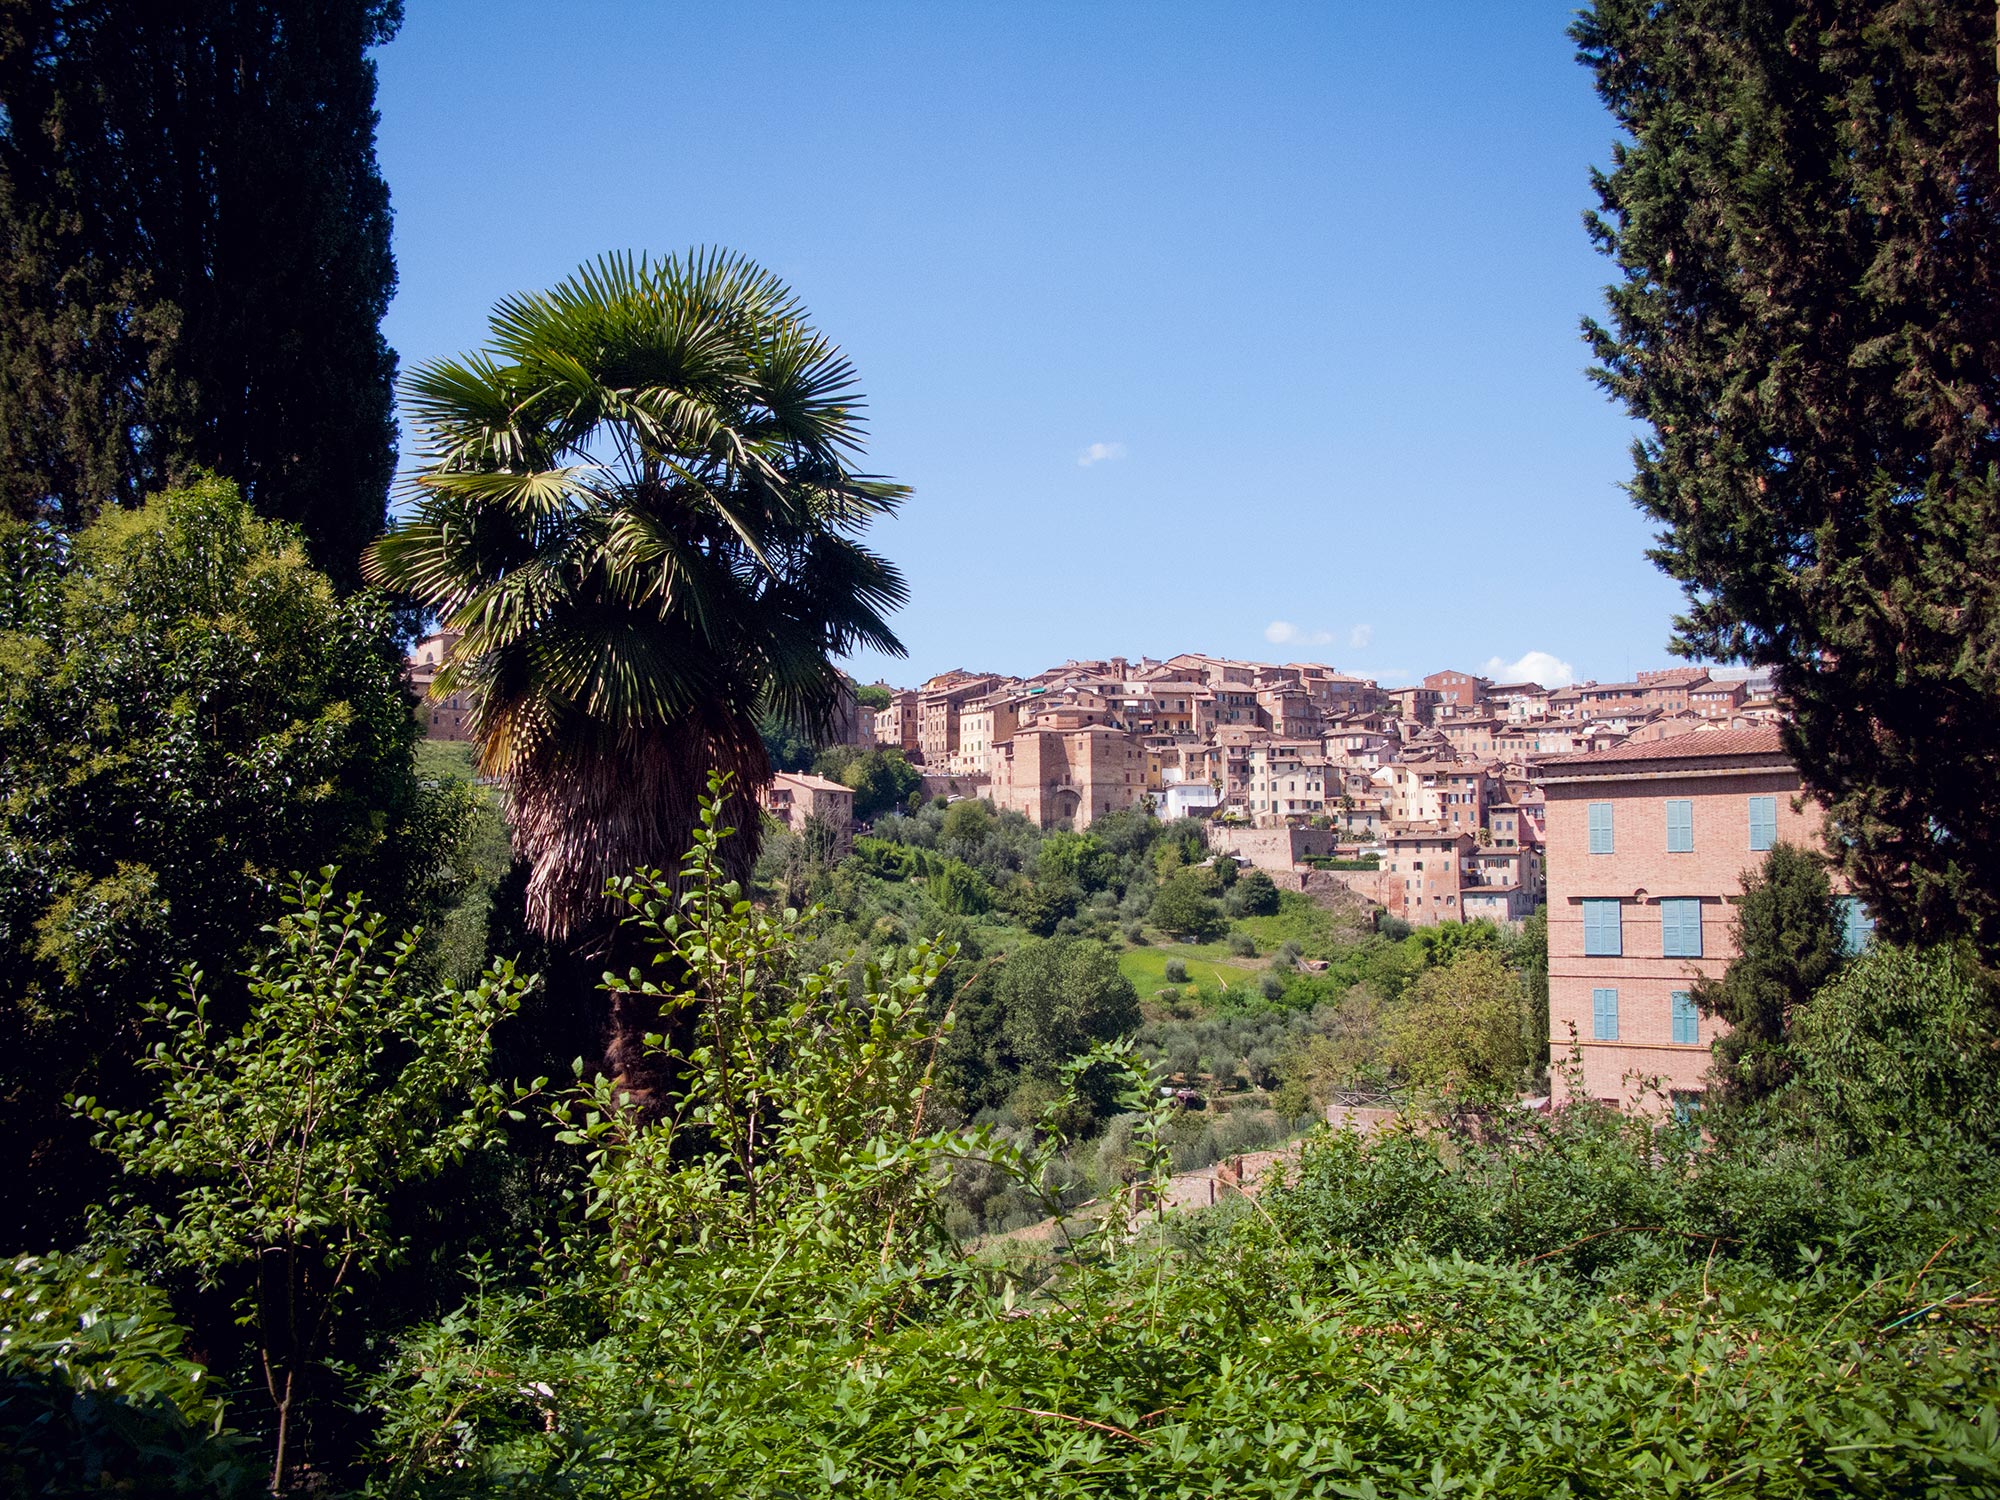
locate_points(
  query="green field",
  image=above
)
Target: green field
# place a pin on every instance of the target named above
(1207, 963)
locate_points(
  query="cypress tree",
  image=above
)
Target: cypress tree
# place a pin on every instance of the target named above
(1806, 220)
(195, 260)
(1788, 932)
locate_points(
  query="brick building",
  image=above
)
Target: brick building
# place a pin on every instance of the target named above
(1647, 846)
(896, 725)
(1457, 692)
(448, 717)
(797, 799)
(940, 702)
(1423, 873)
(1068, 777)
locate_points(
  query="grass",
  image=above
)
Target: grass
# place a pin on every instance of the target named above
(1318, 932)
(1207, 964)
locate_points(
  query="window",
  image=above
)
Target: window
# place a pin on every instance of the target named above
(1603, 936)
(1680, 927)
(1680, 825)
(1604, 1015)
(1763, 822)
(1856, 926)
(1687, 1025)
(1600, 828)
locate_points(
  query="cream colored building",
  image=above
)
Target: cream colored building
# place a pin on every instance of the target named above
(1287, 784)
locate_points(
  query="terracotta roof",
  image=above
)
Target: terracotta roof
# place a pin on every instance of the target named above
(816, 783)
(1716, 744)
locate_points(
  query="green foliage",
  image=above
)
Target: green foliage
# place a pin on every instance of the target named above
(967, 821)
(1276, 1358)
(636, 504)
(1902, 1045)
(1467, 1027)
(152, 327)
(1061, 996)
(873, 695)
(1077, 860)
(798, 1119)
(480, 861)
(281, 1143)
(789, 748)
(1806, 222)
(1257, 894)
(960, 890)
(1339, 1049)
(186, 711)
(883, 780)
(1043, 906)
(1183, 908)
(1181, 842)
(98, 1394)
(1789, 942)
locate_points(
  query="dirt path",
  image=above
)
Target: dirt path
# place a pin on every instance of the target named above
(1234, 1177)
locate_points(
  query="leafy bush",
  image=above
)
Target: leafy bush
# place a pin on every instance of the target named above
(98, 1393)
(1901, 1046)
(282, 1143)
(186, 713)
(1257, 893)
(1182, 908)
(1176, 971)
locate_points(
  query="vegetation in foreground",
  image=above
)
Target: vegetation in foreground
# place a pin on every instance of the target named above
(761, 1289)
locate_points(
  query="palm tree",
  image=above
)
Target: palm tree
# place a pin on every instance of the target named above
(637, 504)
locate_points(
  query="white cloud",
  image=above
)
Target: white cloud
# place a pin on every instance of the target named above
(1536, 666)
(1360, 637)
(1097, 453)
(1285, 633)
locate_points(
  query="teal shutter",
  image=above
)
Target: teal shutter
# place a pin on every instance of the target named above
(1680, 927)
(1856, 926)
(1603, 934)
(1604, 1015)
(1687, 1025)
(1680, 825)
(1763, 822)
(1600, 828)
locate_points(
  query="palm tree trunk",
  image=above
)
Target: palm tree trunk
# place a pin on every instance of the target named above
(585, 815)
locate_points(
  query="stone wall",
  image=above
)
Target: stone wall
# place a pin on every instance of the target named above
(1272, 849)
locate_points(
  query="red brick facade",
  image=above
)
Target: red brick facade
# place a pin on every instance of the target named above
(1650, 860)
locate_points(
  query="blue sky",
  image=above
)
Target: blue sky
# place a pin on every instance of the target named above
(1241, 328)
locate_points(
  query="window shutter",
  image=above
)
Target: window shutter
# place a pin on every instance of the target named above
(1600, 828)
(1687, 1025)
(1763, 822)
(1603, 935)
(1604, 1015)
(1856, 925)
(1680, 826)
(1680, 927)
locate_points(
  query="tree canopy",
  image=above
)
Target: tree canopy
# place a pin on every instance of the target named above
(1789, 943)
(195, 261)
(187, 713)
(639, 505)
(1806, 224)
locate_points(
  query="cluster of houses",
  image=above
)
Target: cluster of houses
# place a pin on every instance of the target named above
(1631, 810)
(1428, 800)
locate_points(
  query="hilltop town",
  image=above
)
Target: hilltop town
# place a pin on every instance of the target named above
(1425, 799)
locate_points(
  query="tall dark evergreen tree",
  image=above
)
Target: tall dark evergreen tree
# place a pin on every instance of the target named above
(1788, 935)
(194, 259)
(1806, 217)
